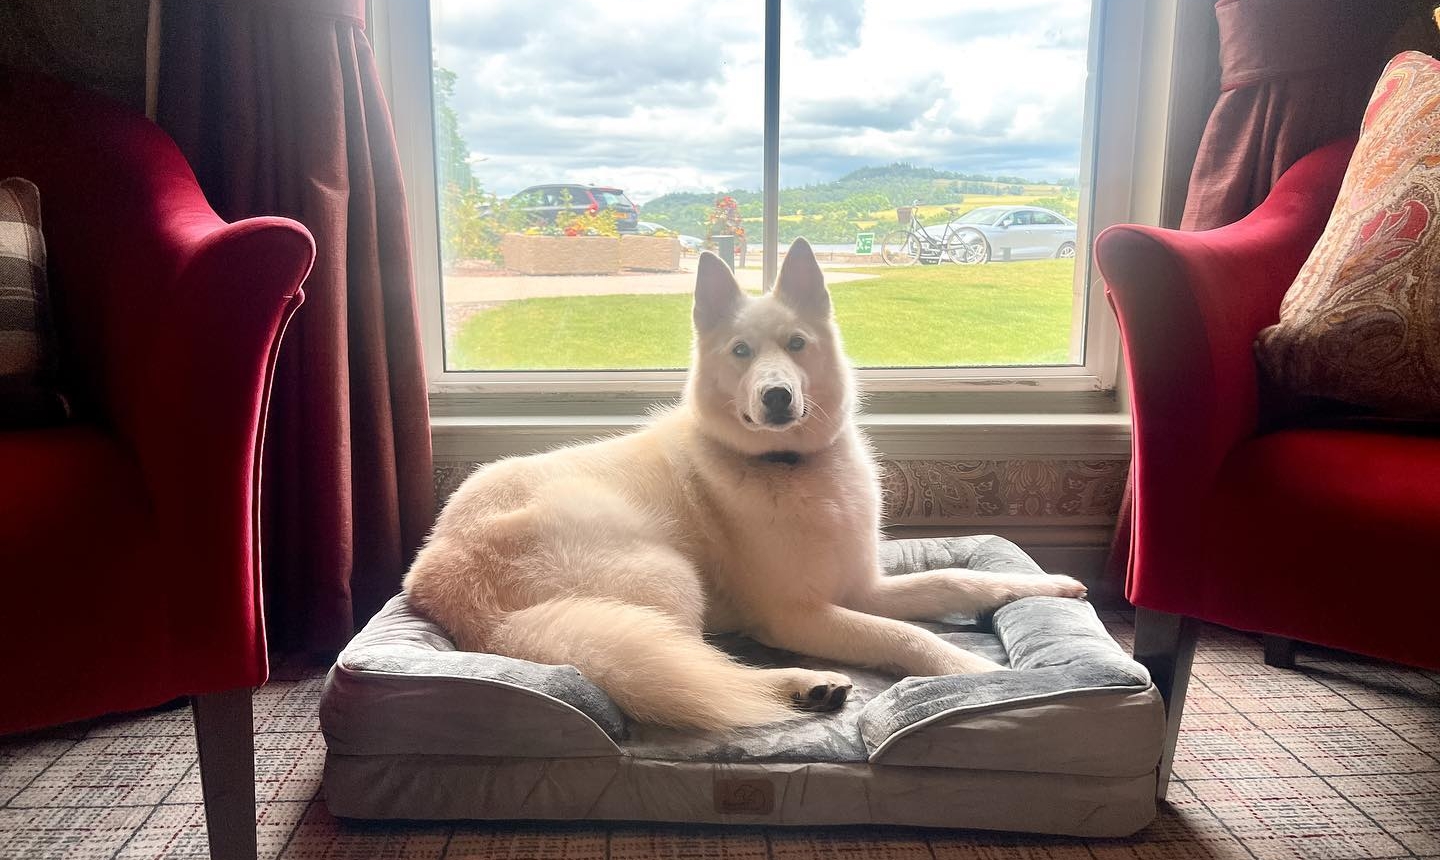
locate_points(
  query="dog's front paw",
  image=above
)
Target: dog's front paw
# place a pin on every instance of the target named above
(1058, 585)
(987, 591)
(1003, 588)
(819, 691)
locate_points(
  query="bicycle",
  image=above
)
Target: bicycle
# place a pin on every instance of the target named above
(911, 244)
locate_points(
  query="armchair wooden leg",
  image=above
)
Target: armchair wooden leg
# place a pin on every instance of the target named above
(225, 736)
(1165, 645)
(1279, 652)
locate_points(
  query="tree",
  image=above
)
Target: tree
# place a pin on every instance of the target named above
(863, 205)
(472, 222)
(452, 156)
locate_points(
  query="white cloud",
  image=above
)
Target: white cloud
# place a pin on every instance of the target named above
(658, 97)
(827, 27)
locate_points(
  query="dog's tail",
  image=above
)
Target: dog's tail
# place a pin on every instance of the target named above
(651, 666)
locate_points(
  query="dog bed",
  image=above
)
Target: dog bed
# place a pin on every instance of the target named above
(1066, 740)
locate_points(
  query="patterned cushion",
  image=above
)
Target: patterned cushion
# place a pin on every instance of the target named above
(1361, 324)
(27, 349)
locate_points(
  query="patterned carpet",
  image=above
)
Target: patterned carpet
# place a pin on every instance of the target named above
(1340, 759)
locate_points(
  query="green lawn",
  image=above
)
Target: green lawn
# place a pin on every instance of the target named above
(1000, 313)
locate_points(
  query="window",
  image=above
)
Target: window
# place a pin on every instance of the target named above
(928, 122)
(610, 198)
(984, 216)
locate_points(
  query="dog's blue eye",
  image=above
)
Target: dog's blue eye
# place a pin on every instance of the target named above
(796, 343)
(740, 350)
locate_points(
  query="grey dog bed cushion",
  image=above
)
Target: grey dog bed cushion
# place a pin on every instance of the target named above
(1070, 702)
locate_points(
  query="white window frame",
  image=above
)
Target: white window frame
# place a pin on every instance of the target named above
(1122, 177)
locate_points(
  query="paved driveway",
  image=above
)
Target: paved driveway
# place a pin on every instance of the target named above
(502, 288)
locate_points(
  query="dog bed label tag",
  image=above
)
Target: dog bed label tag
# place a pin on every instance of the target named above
(744, 796)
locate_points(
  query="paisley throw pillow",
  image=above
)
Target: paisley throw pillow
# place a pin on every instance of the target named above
(1361, 324)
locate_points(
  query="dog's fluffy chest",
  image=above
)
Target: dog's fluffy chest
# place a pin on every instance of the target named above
(792, 532)
(828, 491)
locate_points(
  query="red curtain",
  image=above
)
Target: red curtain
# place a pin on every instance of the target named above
(1294, 75)
(279, 109)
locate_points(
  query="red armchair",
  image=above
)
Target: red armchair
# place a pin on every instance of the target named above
(1327, 536)
(128, 537)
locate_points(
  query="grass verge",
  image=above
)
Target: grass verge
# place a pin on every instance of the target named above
(947, 315)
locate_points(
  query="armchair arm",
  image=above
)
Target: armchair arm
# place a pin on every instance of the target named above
(189, 390)
(1189, 306)
(171, 320)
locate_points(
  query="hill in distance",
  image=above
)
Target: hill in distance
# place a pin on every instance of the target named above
(834, 211)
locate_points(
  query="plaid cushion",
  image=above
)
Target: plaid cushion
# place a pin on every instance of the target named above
(28, 394)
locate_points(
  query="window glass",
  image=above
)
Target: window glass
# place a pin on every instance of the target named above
(664, 111)
(957, 112)
(610, 198)
(984, 215)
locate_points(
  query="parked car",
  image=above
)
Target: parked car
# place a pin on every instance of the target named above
(1012, 233)
(547, 201)
(688, 244)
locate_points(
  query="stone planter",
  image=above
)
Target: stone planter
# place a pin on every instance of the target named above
(560, 255)
(649, 253)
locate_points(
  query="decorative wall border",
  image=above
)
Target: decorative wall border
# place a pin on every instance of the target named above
(932, 492)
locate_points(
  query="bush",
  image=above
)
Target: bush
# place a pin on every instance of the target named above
(1069, 205)
(596, 223)
(473, 222)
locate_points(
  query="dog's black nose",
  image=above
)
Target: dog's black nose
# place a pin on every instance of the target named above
(776, 399)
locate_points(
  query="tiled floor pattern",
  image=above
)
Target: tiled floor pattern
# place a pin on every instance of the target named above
(1338, 760)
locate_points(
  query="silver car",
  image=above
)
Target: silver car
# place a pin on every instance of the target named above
(688, 244)
(1010, 233)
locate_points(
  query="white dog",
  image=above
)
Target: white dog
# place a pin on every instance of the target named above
(752, 506)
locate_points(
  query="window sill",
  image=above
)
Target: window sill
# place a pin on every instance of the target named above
(482, 438)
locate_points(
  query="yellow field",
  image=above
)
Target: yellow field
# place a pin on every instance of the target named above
(937, 211)
(933, 213)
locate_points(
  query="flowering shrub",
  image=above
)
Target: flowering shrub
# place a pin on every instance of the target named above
(472, 222)
(724, 220)
(593, 222)
(588, 223)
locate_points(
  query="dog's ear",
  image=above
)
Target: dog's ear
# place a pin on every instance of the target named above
(801, 285)
(717, 294)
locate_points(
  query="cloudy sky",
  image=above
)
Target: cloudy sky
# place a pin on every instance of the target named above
(667, 96)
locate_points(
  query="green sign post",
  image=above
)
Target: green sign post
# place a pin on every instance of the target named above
(864, 243)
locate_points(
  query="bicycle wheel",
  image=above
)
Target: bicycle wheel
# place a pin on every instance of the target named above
(899, 248)
(967, 247)
(954, 249)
